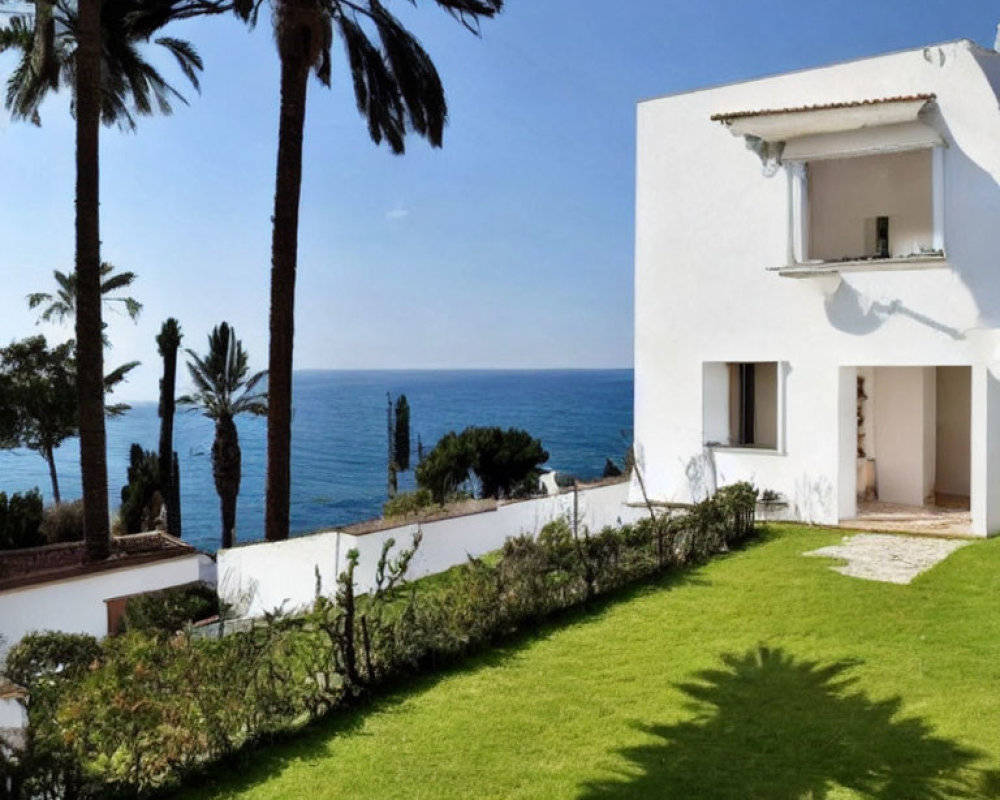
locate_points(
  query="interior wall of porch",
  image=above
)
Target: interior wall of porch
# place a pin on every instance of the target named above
(905, 406)
(953, 431)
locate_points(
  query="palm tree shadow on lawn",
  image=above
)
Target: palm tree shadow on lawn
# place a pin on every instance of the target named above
(768, 725)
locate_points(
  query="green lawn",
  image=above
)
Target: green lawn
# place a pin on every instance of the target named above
(761, 675)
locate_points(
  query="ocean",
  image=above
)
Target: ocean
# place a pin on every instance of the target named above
(339, 440)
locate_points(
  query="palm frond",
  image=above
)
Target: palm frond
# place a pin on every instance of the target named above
(222, 388)
(187, 58)
(118, 374)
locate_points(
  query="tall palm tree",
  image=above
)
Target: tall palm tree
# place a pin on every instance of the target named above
(223, 390)
(397, 90)
(92, 49)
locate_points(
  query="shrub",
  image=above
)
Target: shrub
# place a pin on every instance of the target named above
(141, 500)
(63, 522)
(50, 666)
(168, 611)
(20, 519)
(407, 503)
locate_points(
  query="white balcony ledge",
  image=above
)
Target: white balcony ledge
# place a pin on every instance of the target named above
(809, 269)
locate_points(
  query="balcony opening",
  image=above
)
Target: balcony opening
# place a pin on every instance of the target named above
(871, 207)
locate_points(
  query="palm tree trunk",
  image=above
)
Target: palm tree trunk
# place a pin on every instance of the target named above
(50, 459)
(226, 468)
(89, 344)
(284, 254)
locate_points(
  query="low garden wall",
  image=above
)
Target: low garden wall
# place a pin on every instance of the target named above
(258, 578)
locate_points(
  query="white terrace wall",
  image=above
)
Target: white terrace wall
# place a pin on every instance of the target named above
(76, 605)
(13, 714)
(267, 576)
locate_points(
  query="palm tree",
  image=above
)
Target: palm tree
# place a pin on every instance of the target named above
(397, 90)
(223, 390)
(130, 86)
(62, 304)
(93, 50)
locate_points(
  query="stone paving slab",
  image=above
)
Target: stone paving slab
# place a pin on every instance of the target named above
(889, 558)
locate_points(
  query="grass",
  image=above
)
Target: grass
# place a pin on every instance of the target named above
(760, 675)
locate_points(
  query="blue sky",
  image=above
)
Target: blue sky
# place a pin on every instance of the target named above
(510, 248)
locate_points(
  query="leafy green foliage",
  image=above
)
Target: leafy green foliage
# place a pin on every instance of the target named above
(38, 397)
(20, 520)
(507, 462)
(141, 497)
(63, 522)
(446, 468)
(504, 462)
(168, 611)
(407, 503)
(50, 666)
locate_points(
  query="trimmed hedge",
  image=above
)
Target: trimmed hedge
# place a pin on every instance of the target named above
(138, 713)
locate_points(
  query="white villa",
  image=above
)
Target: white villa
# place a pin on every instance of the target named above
(818, 287)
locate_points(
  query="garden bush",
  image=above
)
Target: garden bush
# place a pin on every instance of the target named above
(406, 503)
(63, 522)
(20, 520)
(169, 610)
(140, 712)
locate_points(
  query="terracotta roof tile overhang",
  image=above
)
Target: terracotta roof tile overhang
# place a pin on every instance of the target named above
(21, 568)
(782, 124)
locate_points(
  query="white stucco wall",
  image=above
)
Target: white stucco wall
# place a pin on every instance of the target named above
(710, 228)
(266, 576)
(13, 714)
(76, 605)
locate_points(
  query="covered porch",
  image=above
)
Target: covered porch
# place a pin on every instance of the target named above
(915, 452)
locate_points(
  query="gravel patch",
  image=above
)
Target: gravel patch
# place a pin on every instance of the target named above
(884, 557)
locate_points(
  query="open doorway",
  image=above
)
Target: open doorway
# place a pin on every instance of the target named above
(914, 447)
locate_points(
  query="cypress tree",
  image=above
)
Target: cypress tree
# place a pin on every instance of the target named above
(168, 341)
(401, 439)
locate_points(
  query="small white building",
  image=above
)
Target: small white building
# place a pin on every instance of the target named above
(54, 589)
(818, 286)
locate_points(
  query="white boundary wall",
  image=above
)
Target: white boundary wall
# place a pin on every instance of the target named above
(76, 605)
(267, 576)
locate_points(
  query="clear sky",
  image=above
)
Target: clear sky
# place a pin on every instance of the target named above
(510, 248)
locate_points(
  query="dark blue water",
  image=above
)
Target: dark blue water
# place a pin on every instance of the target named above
(339, 440)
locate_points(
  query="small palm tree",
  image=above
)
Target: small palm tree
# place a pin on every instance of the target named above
(62, 304)
(223, 390)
